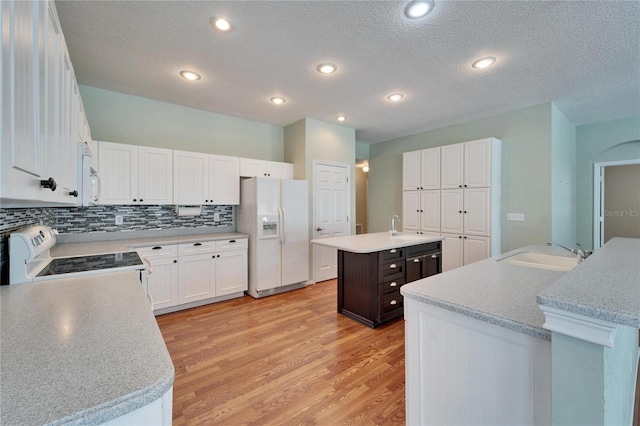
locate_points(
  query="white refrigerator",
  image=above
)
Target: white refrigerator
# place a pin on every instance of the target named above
(275, 215)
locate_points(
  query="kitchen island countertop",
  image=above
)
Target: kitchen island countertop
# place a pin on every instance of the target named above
(369, 243)
(80, 350)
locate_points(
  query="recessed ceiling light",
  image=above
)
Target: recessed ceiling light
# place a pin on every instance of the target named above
(365, 168)
(395, 97)
(222, 23)
(190, 75)
(418, 9)
(326, 68)
(278, 100)
(484, 62)
(341, 118)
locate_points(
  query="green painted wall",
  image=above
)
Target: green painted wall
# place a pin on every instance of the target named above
(526, 171)
(600, 142)
(362, 151)
(563, 179)
(117, 117)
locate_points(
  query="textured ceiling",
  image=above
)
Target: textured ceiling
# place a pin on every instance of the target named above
(582, 55)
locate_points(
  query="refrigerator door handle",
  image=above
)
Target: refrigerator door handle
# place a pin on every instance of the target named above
(283, 230)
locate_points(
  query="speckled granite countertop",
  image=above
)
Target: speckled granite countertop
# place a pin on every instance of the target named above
(606, 286)
(114, 246)
(79, 350)
(368, 243)
(492, 291)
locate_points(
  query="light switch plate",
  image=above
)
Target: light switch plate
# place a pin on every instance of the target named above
(119, 219)
(216, 217)
(515, 217)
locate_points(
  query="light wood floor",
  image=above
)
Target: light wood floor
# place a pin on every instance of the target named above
(284, 359)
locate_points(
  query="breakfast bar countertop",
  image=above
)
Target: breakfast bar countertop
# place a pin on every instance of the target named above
(369, 243)
(80, 350)
(492, 291)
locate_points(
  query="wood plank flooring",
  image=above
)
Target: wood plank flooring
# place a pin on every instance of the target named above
(284, 359)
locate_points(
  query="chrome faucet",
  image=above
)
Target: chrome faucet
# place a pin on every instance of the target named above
(393, 224)
(581, 253)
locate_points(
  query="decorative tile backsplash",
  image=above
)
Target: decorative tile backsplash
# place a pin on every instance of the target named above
(74, 220)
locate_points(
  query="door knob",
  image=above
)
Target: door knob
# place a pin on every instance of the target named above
(319, 229)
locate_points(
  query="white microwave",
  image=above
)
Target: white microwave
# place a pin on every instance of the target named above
(91, 185)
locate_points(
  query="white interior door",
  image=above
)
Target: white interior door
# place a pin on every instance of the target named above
(331, 214)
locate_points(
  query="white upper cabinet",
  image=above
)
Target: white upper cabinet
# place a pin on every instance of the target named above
(477, 164)
(477, 211)
(430, 211)
(261, 168)
(452, 166)
(452, 211)
(39, 104)
(421, 169)
(206, 179)
(135, 175)
(224, 180)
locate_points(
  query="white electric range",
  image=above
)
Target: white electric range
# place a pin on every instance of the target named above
(30, 259)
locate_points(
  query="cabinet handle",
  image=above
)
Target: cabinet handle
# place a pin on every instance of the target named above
(464, 238)
(465, 212)
(175, 261)
(416, 260)
(459, 186)
(232, 241)
(393, 284)
(73, 194)
(465, 186)
(134, 200)
(392, 266)
(421, 211)
(392, 251)
(197, 244)
(393, 302)
(141, 200)
(157, 248)
(49, 183)
(459, 236)
(434, 256)
(218, 255)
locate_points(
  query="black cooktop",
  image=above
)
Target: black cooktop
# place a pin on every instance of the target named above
(70, 265)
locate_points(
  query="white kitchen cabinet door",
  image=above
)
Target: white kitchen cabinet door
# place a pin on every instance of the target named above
(410, 211)
(430, 168)
(68, 147)
(477, 211)
(224, 180)
(252, 168)
(451, 218)
(118, 165)
(430, 211)
(452, 166)
(191, 178)
(452, 251)
(277, 170)
(155, 175)
(477, 163)
(411, 170)
(476, 248)
(163, 282)
(196, 277)
(231, 272)
(23, 149)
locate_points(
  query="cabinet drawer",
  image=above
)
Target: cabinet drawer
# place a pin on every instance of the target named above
(390, 302)
(391, 286)
(391, 254)
(413, 251)
(151, 252)
(232, 244)
(391, 271)
(196, 248)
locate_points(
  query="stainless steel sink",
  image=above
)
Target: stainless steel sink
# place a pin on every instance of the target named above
(542, 261)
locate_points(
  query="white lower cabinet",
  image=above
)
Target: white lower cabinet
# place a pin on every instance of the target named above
(459, 250)
(191, 274)
(462, 371)
(157, 413)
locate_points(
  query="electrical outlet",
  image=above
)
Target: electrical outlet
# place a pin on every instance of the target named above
(119, 219)
(515, 217)
(216, 217)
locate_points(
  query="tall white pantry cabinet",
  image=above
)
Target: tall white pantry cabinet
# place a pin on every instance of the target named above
(454, 191)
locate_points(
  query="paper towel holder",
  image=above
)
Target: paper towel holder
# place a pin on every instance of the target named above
(188, 210)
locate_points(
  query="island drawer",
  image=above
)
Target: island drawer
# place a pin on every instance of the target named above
(391, 286)
(418, 250)
(391, 254)
(391, 271)
(390, 304)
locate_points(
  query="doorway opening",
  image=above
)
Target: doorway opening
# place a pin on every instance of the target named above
(616, 200)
